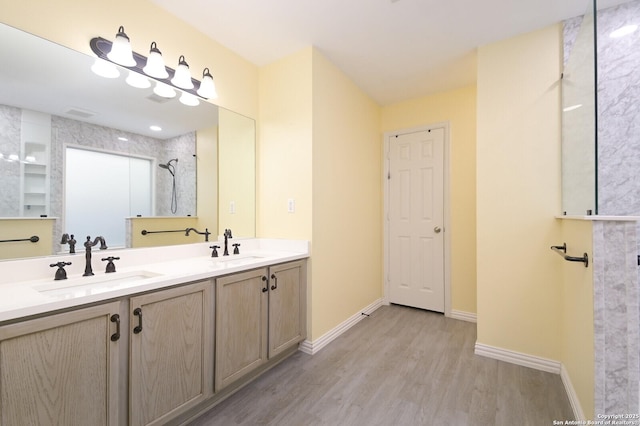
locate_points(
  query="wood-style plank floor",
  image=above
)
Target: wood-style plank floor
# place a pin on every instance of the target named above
(400, 366)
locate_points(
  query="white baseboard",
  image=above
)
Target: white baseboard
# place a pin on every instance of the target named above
(464, 316)
(518, 358)
(312, 348)
(571, 393)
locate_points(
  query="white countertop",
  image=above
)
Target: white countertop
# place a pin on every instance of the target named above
(27, 287)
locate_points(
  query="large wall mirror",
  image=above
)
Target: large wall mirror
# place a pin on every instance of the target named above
(93, 151)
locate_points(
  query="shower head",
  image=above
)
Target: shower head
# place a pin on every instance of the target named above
(169, 166)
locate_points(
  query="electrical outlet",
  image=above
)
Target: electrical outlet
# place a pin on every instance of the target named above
(291, 205)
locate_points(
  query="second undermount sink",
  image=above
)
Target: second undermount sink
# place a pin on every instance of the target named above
(96, 284)
(236, 260)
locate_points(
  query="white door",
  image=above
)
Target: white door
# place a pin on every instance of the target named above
(416, 219)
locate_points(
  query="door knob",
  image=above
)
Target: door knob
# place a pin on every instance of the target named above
(437, 229)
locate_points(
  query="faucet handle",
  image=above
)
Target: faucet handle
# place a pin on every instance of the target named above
(61, 274)
(111, 267)
(236, 250)
(214, 253)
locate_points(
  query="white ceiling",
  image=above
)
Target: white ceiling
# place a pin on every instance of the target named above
(392, 49)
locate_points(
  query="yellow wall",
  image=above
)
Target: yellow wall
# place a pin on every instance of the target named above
(73, 23)
(577, 334)
(237, 174)
(20, 228)
(347, 198)
(518, 193)
(458, 107)
(284, 148)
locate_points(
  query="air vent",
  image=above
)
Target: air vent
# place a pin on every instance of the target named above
(158, 99)
(82, 113)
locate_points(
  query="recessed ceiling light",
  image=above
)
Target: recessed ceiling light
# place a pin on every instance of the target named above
(623, 31)
(156, 128)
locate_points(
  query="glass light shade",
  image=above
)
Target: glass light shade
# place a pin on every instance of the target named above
(182, 78)
(105, 69)
(155, 63)
(189, 99)
(121, 50)
(164, 90)
(14, 157)
(30, 159)
(138, 80)
(207, 87)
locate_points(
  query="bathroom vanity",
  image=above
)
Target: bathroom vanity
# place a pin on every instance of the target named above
(168, 335)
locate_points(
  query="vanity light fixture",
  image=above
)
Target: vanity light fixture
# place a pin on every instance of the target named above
(121, 52)
(182, 77)
(138, 80)
(207, 87)
(189, 100)
(155, 63)
(105, 69)
(164, 90)
(154, 68)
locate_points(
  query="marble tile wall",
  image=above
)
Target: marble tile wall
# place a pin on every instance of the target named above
(10, 118)
(67, 131)
(616, 317)
(618, 112)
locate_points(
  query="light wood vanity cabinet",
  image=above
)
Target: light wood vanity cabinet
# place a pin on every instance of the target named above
(149, 359)
(258, 316)
(62, 369)
(287, 322)
(171, 365)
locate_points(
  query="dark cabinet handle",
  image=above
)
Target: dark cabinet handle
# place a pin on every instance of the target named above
(275, 282)
(116, 336)
(266, 282)
(138, 312)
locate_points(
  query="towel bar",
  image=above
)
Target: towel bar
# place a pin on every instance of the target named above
(562, 251)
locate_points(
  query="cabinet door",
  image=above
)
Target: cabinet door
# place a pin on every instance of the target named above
(171, 358)
(61, 369)
(241, 325)
(286, 314)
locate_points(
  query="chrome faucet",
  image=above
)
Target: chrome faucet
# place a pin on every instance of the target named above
(88, 271)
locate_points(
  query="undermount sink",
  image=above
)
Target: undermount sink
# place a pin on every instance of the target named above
(236, 260)
(96, 284)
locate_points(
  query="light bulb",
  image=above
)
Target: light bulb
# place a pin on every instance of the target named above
(207, 87)
(121, 50)
(164, 90)
(189, 99)
(155, 63)
(138, 80)
(182, 78)
(105, 69)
